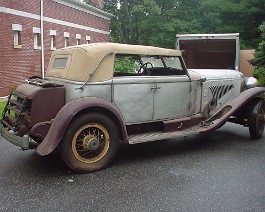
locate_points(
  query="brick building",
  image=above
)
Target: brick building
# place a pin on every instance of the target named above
(63, 23)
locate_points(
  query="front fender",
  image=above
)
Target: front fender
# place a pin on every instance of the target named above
(231, 107)
(67, 113)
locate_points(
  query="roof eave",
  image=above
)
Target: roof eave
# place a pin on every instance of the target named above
(86, 8)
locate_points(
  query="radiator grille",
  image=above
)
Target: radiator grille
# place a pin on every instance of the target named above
(218, 91)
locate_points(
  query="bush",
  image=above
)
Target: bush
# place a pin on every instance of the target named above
(259, 74)
(259, 58)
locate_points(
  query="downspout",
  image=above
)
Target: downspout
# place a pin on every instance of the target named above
(42, 39)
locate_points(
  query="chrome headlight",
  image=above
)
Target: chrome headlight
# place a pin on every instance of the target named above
(251, 82)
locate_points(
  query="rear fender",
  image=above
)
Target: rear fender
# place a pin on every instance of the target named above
(68, 112)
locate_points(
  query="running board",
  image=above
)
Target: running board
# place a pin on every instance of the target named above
(155, 136)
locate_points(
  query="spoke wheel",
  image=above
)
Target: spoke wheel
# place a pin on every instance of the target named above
(91, 143)
(257, 119)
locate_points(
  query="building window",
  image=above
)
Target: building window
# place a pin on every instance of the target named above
(66, 39)
(37, 38)
(87, 39)
(78, 39)
(17, 28)
(52, 35)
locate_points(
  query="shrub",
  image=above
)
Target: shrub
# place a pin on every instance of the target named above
(259, 58)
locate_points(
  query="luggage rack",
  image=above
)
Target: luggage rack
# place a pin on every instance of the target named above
(13, 111)
(42, 82)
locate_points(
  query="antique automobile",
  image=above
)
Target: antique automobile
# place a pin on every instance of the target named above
(94, 96)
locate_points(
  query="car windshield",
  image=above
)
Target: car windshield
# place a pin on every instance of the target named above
(169, 62)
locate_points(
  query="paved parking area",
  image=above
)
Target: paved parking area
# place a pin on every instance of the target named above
(219, 171)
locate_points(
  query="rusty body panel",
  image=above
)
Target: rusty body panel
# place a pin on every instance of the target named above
(45, 102)
(68, 112)
(40, 130)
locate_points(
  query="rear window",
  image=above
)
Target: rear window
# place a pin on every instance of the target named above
(60, 63)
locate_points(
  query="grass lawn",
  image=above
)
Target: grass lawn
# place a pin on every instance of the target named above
(2, 106)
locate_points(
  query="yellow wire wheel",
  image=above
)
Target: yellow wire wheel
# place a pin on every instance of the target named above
(90, 143)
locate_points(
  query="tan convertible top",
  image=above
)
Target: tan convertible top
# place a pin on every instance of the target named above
(77, 63)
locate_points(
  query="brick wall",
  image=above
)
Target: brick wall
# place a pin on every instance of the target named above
(16, 65)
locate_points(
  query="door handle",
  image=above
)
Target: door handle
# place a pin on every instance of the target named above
(155, 87)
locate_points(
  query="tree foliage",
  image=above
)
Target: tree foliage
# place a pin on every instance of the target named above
(153, 22)
(156, 22)
(259, 58)
(243, 16)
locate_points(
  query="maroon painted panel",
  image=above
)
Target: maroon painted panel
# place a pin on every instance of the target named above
(67, 113)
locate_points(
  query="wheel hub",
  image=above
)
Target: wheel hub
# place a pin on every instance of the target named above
(91, 143)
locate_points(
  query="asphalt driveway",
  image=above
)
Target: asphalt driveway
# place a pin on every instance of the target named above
(219, 171)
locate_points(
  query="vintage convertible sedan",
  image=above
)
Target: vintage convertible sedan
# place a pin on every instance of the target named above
(95, 95)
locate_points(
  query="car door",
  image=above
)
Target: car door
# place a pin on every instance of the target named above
(171, 97)
(134, 98)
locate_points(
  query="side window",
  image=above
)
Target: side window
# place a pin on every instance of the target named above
(162, 66)
(153, 61)
(126, 64)
(173, 62)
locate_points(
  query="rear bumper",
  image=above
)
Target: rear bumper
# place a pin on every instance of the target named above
(22, 142)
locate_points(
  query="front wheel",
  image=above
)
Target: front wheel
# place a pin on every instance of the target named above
(256, 120)
(90, 144)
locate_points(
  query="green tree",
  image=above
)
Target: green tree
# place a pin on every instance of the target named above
(259, 58)
(127, 14)
(243, 16)
(156, 22)
(153, 22)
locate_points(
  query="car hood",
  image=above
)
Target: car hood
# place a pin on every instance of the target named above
(217, 74)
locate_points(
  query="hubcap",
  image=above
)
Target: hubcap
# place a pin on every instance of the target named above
(90, 143)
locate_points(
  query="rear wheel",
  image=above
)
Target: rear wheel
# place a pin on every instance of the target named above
(90, 144)
(256, 119)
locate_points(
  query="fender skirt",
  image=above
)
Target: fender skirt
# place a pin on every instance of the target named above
(230, 108)
(67, 113)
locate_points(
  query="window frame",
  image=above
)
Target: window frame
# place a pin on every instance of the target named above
(66, 39)
(78, 39)
(53, 35)
(17, 29)
(37, 38)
